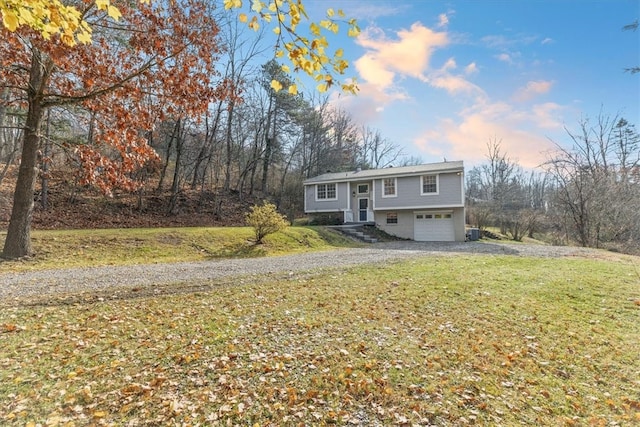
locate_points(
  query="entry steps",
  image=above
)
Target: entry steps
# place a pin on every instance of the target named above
(356, 231)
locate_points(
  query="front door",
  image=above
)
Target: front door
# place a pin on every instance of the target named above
(363, 207)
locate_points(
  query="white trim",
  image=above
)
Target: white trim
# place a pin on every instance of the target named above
(373, 195)
(398, 208)
(326, 210)
(450, 211)
(326, 199)
(437, 175)
(395, 187)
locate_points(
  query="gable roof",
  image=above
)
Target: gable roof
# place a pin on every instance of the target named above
(456, 166)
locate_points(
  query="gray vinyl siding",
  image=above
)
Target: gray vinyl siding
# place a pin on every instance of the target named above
(409, 188)
(311, 205)
(459, 224)
(404, 227)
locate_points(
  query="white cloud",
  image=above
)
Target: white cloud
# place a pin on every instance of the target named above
(504, 57)
(533, 89)
(443, 20)
(370, 102)
(471, 68)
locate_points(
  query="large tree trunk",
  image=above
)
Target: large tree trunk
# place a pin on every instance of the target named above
(18, 241)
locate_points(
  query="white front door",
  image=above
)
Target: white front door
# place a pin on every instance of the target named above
(433, 227)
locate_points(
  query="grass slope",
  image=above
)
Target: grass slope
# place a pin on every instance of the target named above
(486, 340)
(80, 248)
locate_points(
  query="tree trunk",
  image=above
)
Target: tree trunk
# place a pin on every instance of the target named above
(175, 184)
(268, 147)
(229, 144)
(18, 241)
(44, 180)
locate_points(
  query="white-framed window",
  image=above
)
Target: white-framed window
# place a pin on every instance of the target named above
(429, 184)
(392, 217)
(363, 188)
(326, 192)
(389, 187)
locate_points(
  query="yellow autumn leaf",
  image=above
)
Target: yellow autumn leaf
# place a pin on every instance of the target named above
(26, 16)
(232, 4)
(353, 31)
(293, 90)
(10, 20)
(257, 6)
(114, 13)
(330, 13)
(322, 88)
(315, 29)
(276, 30)
(102, 4)
(84, 37)
(243, 18)
(276, 85)
(341, 13)
(285, 68)
(339, 53)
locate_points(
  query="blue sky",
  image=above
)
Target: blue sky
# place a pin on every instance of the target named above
(443, 78)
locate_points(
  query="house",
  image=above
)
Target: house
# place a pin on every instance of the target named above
(424, 202)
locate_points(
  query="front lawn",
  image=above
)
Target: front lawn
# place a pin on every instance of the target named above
(441, 340)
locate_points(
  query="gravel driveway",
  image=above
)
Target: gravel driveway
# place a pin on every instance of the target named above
(110, 281)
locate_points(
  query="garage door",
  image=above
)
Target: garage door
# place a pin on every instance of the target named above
(433, 227)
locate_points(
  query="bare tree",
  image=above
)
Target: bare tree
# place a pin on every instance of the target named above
(596, 186)
(375, 150)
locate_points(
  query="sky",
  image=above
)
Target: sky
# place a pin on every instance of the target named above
(442, 79)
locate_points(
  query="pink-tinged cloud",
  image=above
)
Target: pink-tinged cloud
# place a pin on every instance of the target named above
(454, 84)
(407, 55)
(524, 134)
(532, 90)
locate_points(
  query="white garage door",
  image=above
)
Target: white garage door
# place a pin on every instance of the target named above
(433, 227)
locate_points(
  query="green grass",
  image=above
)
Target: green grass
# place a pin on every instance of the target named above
(80, 248)
(484, 340)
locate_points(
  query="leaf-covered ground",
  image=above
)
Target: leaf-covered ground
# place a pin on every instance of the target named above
(445, 340)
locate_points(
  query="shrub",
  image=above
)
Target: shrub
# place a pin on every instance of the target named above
(265, 220)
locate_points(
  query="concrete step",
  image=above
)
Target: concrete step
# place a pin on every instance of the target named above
(358, 234)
